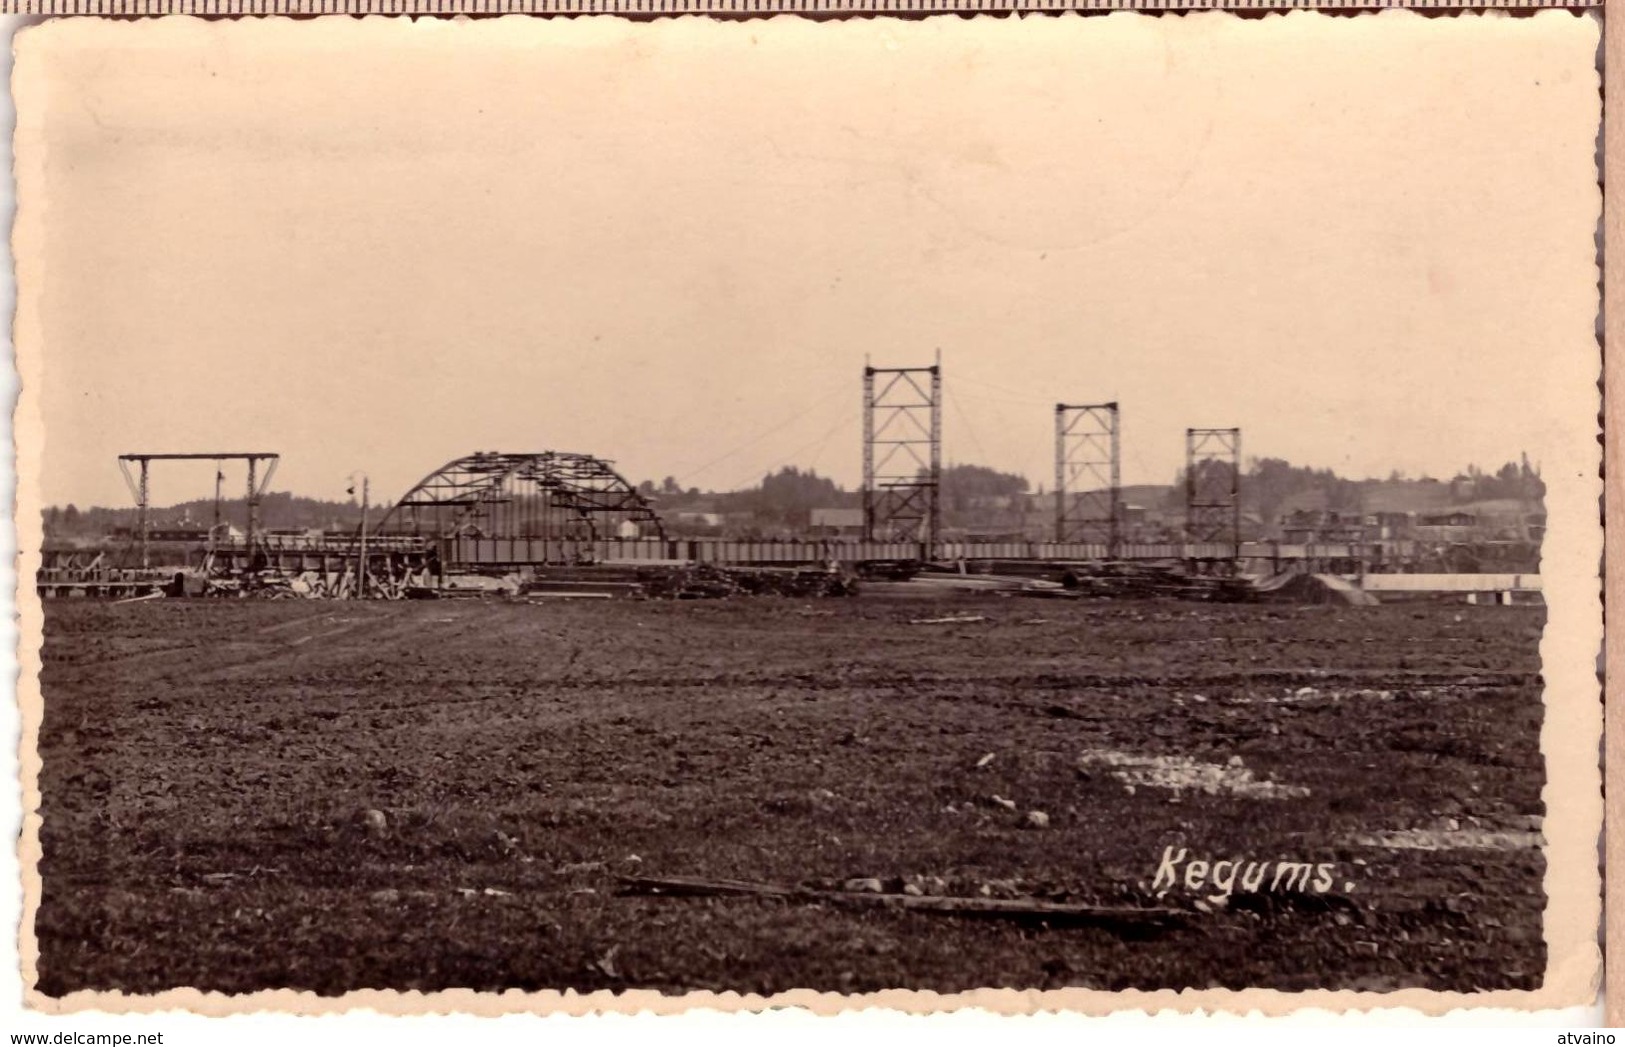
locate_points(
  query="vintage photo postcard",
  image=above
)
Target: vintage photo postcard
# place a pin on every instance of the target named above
(1043, 513)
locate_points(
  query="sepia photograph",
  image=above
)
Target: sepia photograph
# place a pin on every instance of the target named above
(648, 509)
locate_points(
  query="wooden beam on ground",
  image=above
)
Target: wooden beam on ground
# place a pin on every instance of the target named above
(1030, 910)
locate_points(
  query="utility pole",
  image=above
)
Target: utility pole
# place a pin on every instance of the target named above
(253, 512)
(214, 529)
(361, 569)
(366, 492)
(144, 523)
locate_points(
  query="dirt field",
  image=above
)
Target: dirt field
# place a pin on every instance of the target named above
(210, 766)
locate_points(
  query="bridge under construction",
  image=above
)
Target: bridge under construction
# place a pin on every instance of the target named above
(506, 513)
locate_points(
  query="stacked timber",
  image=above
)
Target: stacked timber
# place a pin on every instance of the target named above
(598, 580)
(888, 570)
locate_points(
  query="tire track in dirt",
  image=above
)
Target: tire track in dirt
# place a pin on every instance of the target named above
(372, 631)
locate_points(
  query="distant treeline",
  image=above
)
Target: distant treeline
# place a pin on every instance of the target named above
(1267, 484)
(973, 496)
(789, 496)
(278, 510)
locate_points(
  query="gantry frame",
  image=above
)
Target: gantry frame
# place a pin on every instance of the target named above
(140, 487)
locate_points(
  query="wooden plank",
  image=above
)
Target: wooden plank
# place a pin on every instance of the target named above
(1031, 910)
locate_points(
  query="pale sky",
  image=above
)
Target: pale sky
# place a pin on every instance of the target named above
(1365, 241)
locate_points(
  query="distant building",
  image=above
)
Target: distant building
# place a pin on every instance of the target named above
(178, 534)
(689, 518)
(837, 523)
(1326, 526)
(1302, 506)
(1456, 526)
(1405, 496)
(1393, 524)
(184, 532)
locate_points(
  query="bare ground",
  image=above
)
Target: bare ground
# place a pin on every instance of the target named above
(209, 765)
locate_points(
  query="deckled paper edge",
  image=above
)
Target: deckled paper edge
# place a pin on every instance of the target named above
(1573, 790)
(1613, 328)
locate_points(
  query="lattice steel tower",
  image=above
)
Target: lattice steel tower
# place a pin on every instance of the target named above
(902, 453)
(1213, 486)
(1088, 491)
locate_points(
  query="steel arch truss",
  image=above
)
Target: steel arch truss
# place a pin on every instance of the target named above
(551, 495)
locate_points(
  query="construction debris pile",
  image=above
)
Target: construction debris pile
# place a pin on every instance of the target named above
(305, 585)
(1139, 580)
(707, 581)
(1079, 580)
(1300, 588)
(686, 581)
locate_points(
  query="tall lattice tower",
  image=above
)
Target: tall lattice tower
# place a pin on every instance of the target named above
(1213, 486)
(1088, 490)
(902, 454)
